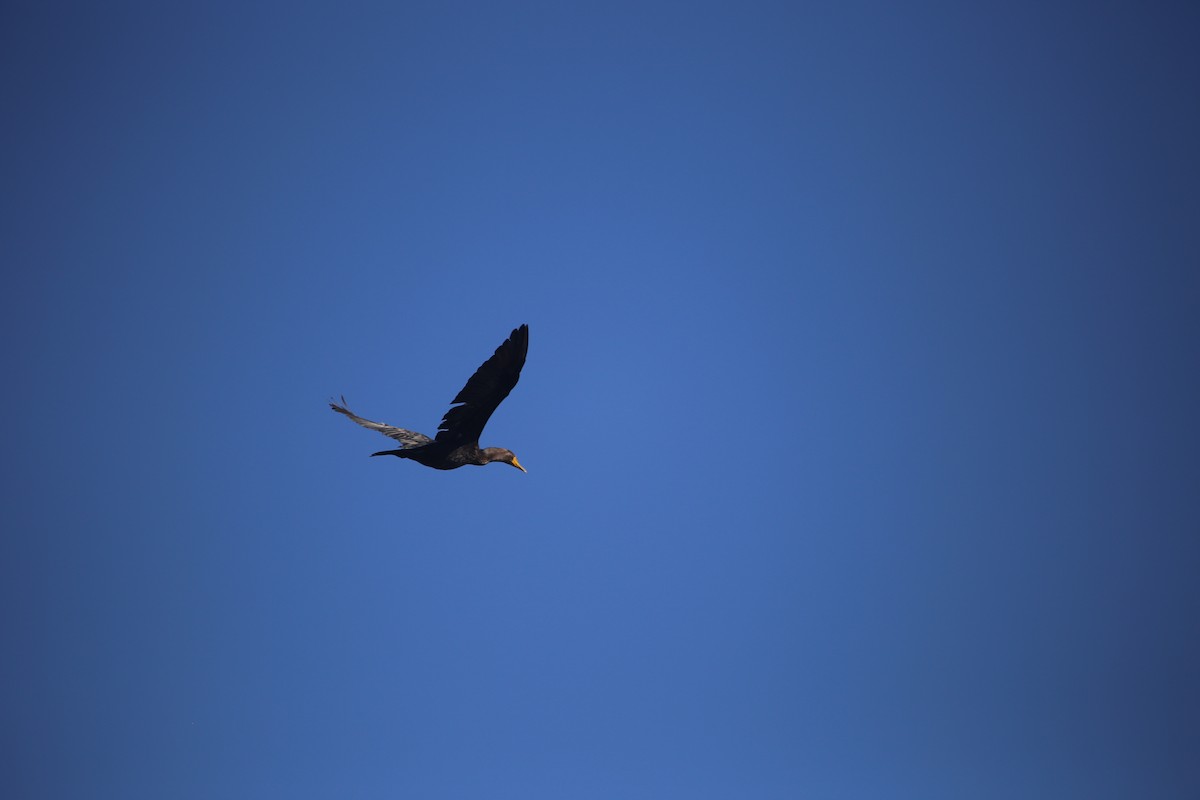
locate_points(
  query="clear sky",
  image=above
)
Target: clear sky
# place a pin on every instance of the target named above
(859, 413)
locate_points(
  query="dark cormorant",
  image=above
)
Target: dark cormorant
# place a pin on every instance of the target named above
(457, 440)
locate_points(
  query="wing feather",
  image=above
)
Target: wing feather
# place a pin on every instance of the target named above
(406, 438)
(486, 389)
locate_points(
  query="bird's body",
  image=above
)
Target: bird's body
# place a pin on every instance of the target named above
(441, 458)
(457, 440)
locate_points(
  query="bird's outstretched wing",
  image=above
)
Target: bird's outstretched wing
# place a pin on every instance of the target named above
(490, 384)
(406, 438)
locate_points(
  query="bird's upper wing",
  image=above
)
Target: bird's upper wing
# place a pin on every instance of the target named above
(406, 438)
(490, 384)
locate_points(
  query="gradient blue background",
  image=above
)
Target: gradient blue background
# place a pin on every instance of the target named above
(859, 414)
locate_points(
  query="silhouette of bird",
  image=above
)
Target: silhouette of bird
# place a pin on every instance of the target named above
(457, 441)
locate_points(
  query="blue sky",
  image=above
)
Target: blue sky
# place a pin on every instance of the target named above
(859, 411)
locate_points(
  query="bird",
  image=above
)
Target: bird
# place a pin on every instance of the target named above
(457, 441)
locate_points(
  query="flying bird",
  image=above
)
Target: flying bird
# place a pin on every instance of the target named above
(457, 441)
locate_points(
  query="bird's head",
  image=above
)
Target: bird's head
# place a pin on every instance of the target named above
(502, 455)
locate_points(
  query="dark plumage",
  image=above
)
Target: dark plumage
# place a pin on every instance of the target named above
(457, 440)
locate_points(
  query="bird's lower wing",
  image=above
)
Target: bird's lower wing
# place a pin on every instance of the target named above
(406, 438)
